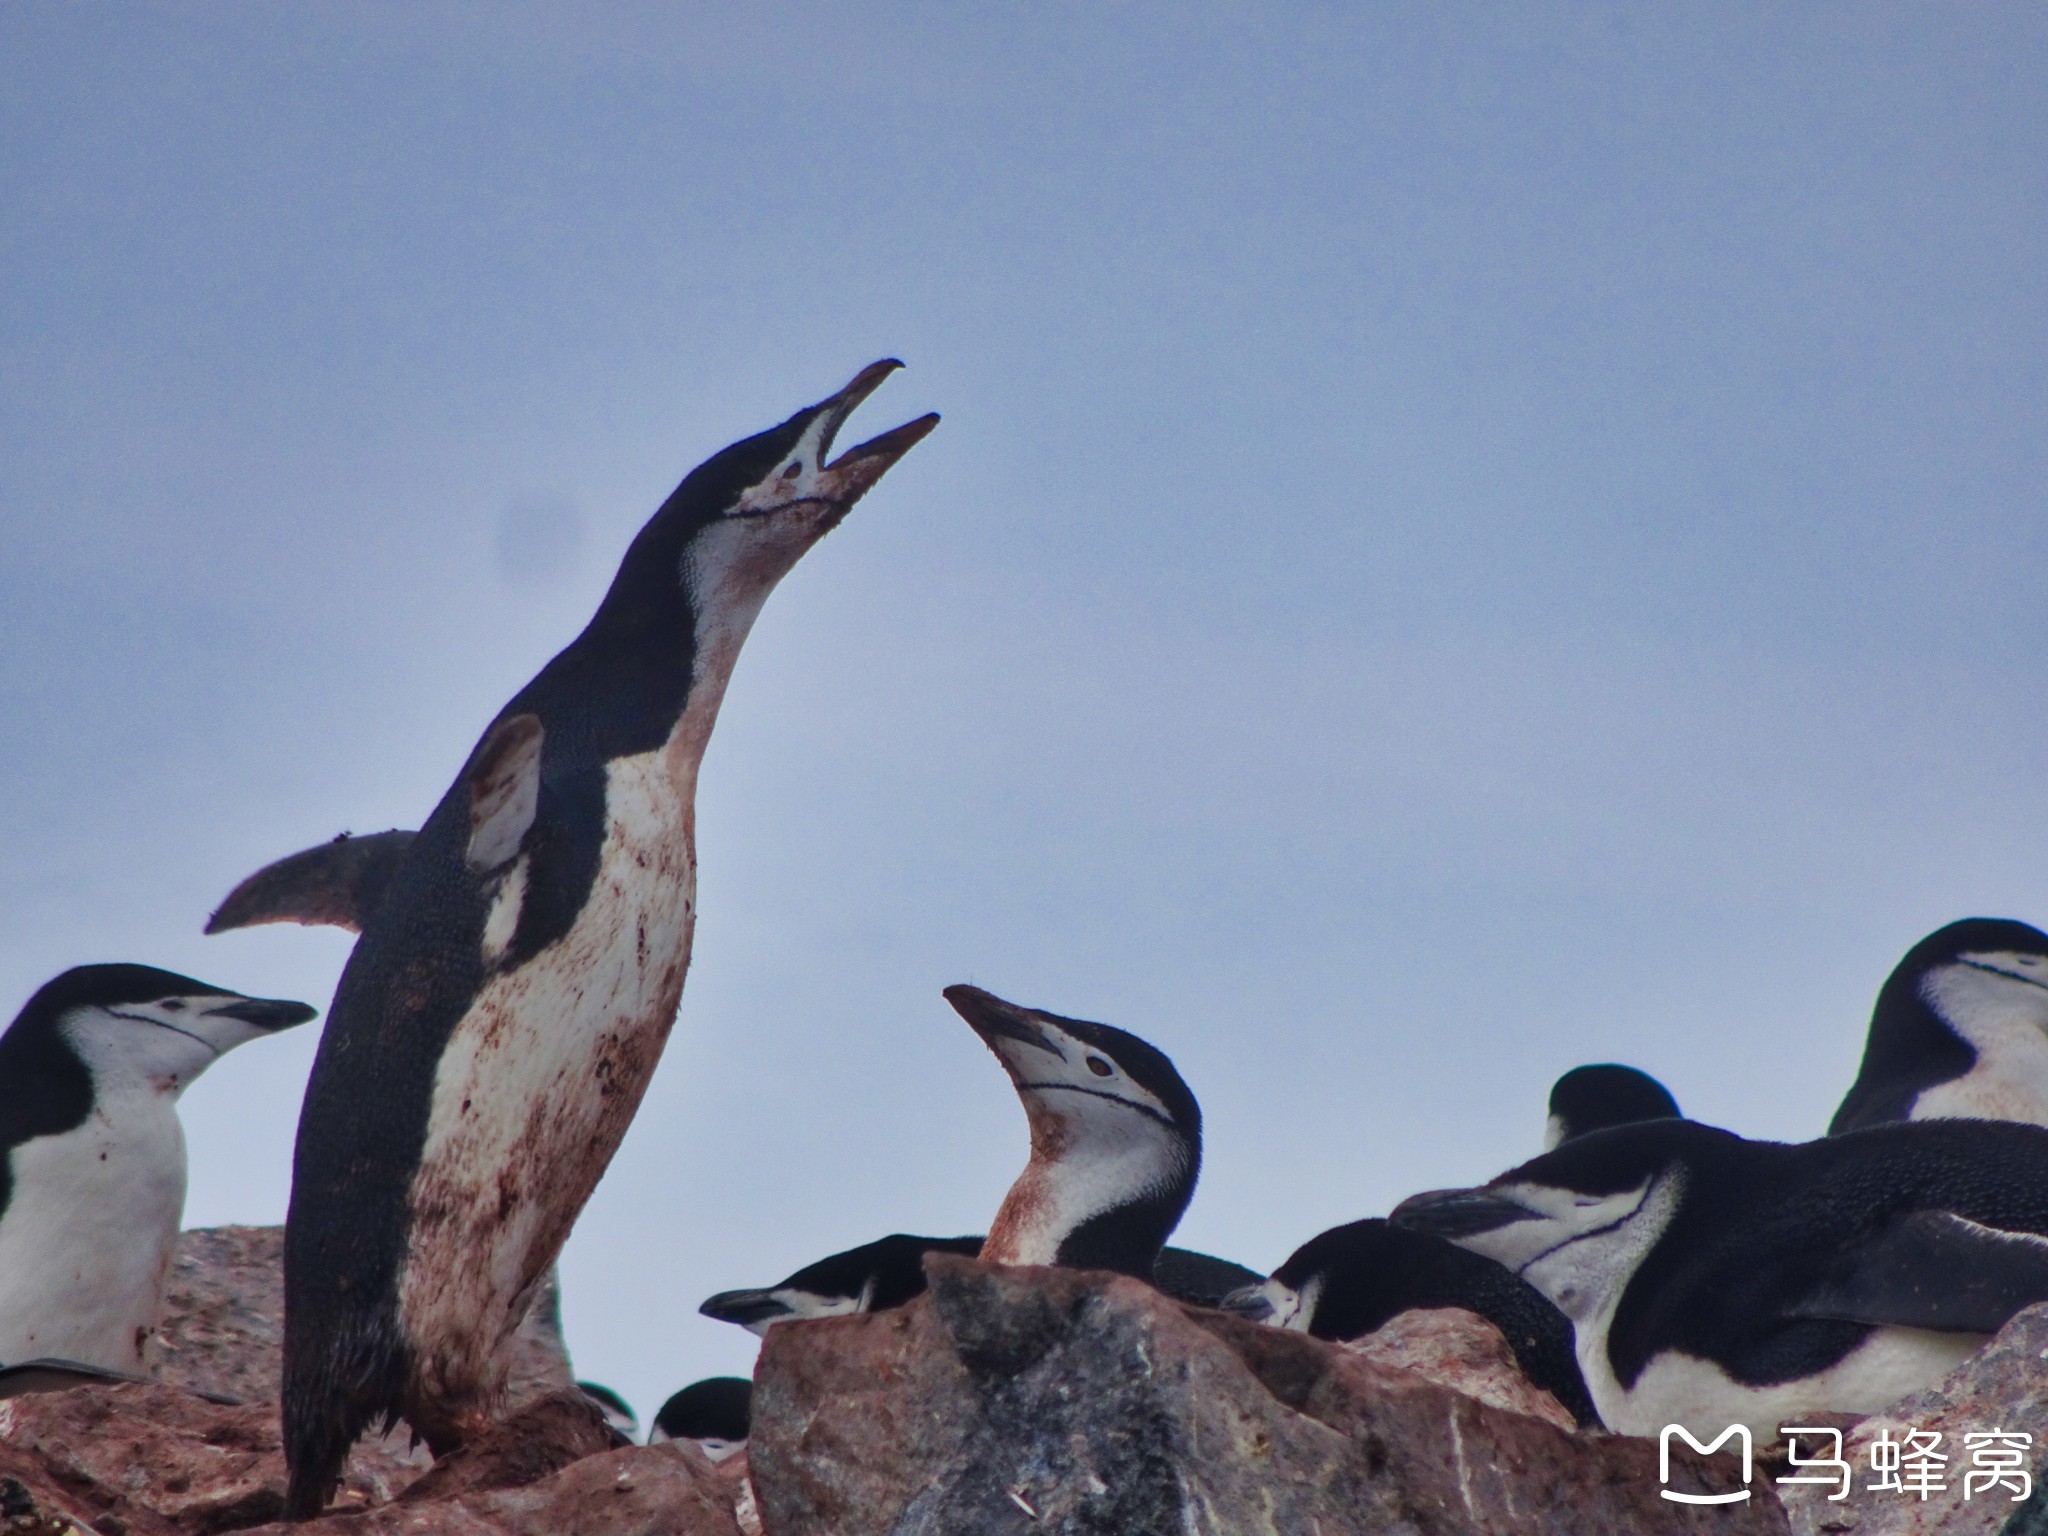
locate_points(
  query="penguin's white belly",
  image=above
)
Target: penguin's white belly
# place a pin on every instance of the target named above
(86, 1241)
(539, 1082)
(1682, 1389)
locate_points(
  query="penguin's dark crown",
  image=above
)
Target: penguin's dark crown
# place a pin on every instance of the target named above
(1592, 1098)
(717, 1408)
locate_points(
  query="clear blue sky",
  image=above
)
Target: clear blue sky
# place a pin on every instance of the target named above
(1465, 540)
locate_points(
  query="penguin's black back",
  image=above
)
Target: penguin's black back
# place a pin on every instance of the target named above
(1910, 1049)
(1373, 1272)
(1763, 1228)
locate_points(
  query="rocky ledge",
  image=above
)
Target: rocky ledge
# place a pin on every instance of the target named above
(1004, 1401)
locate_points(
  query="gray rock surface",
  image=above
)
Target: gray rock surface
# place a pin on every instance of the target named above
(1019, 1401)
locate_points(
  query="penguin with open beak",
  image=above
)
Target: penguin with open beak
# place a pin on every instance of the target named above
(515, 981)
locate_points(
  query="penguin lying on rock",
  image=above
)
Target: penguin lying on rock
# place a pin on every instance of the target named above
(1116, 1145)
(502, 1013)
(1960, 1030)
(712, 1414)
(1716, 1281)
(1353, 1280)
(92, 1189)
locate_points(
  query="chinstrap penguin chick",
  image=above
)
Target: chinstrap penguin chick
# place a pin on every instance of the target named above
(1960, 1030)
(1351, 1280)
(93, 1187)
(1116, 1140)
(1716, 1281)
(501, 1014)
(712, 1414)
(890, 1271)
(1588, 1099)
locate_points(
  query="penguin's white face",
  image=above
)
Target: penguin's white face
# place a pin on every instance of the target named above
(162, 1045)
(1277, 1304)
(1578, 1249)
(1988, 980)
(1082, 1086)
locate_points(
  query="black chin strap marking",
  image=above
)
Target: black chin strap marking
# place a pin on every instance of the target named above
(1992, 970)
(1097, 1093)
(1625, 1217)
(143, 1018)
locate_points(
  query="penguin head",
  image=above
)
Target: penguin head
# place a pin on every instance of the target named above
(1965, 1013)
(1116, 1140)
(715, 1413)
(1088, 1089)
(1575, 1223)
(1976, 973)
(134, 1026)
(1593, 1098)
(875, 1276)
(743, 517)
(1279, 1303)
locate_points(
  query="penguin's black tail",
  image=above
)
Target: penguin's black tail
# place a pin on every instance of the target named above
(337, 1382)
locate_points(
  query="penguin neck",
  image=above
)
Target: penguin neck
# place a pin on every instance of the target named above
(1096, 1194)
(728, 580)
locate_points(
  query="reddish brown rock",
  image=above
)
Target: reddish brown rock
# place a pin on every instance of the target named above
(1463, 1351)
(1025, 1400)
(159, 1460)
(538, 1440)
(223, 1323)
(651, 1490)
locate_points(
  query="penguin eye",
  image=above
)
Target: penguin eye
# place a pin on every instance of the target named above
(1099, 1067)
(795, 468)
(172, 1005)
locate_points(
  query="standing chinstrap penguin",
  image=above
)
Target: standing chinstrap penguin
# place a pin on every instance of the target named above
(1715, 1281)
(93, 1187)
(1960, 1030)
(499, 1019)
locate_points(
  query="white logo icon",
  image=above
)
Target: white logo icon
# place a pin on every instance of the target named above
(1736, 1432)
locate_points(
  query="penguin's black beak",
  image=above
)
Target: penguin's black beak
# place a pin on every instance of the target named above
(747, 1308)
(1249, 1302)
(846, 479)
(264, 1012)
(993, 1019)
(1456, 1213)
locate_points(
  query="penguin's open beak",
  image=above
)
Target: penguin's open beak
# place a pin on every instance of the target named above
(846, 479)
(1456, 1213)
(993, 1019)
(265, 1013)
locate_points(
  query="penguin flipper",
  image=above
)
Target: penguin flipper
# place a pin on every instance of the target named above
(1933, 1269)
(339, 883)
(504, 791)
